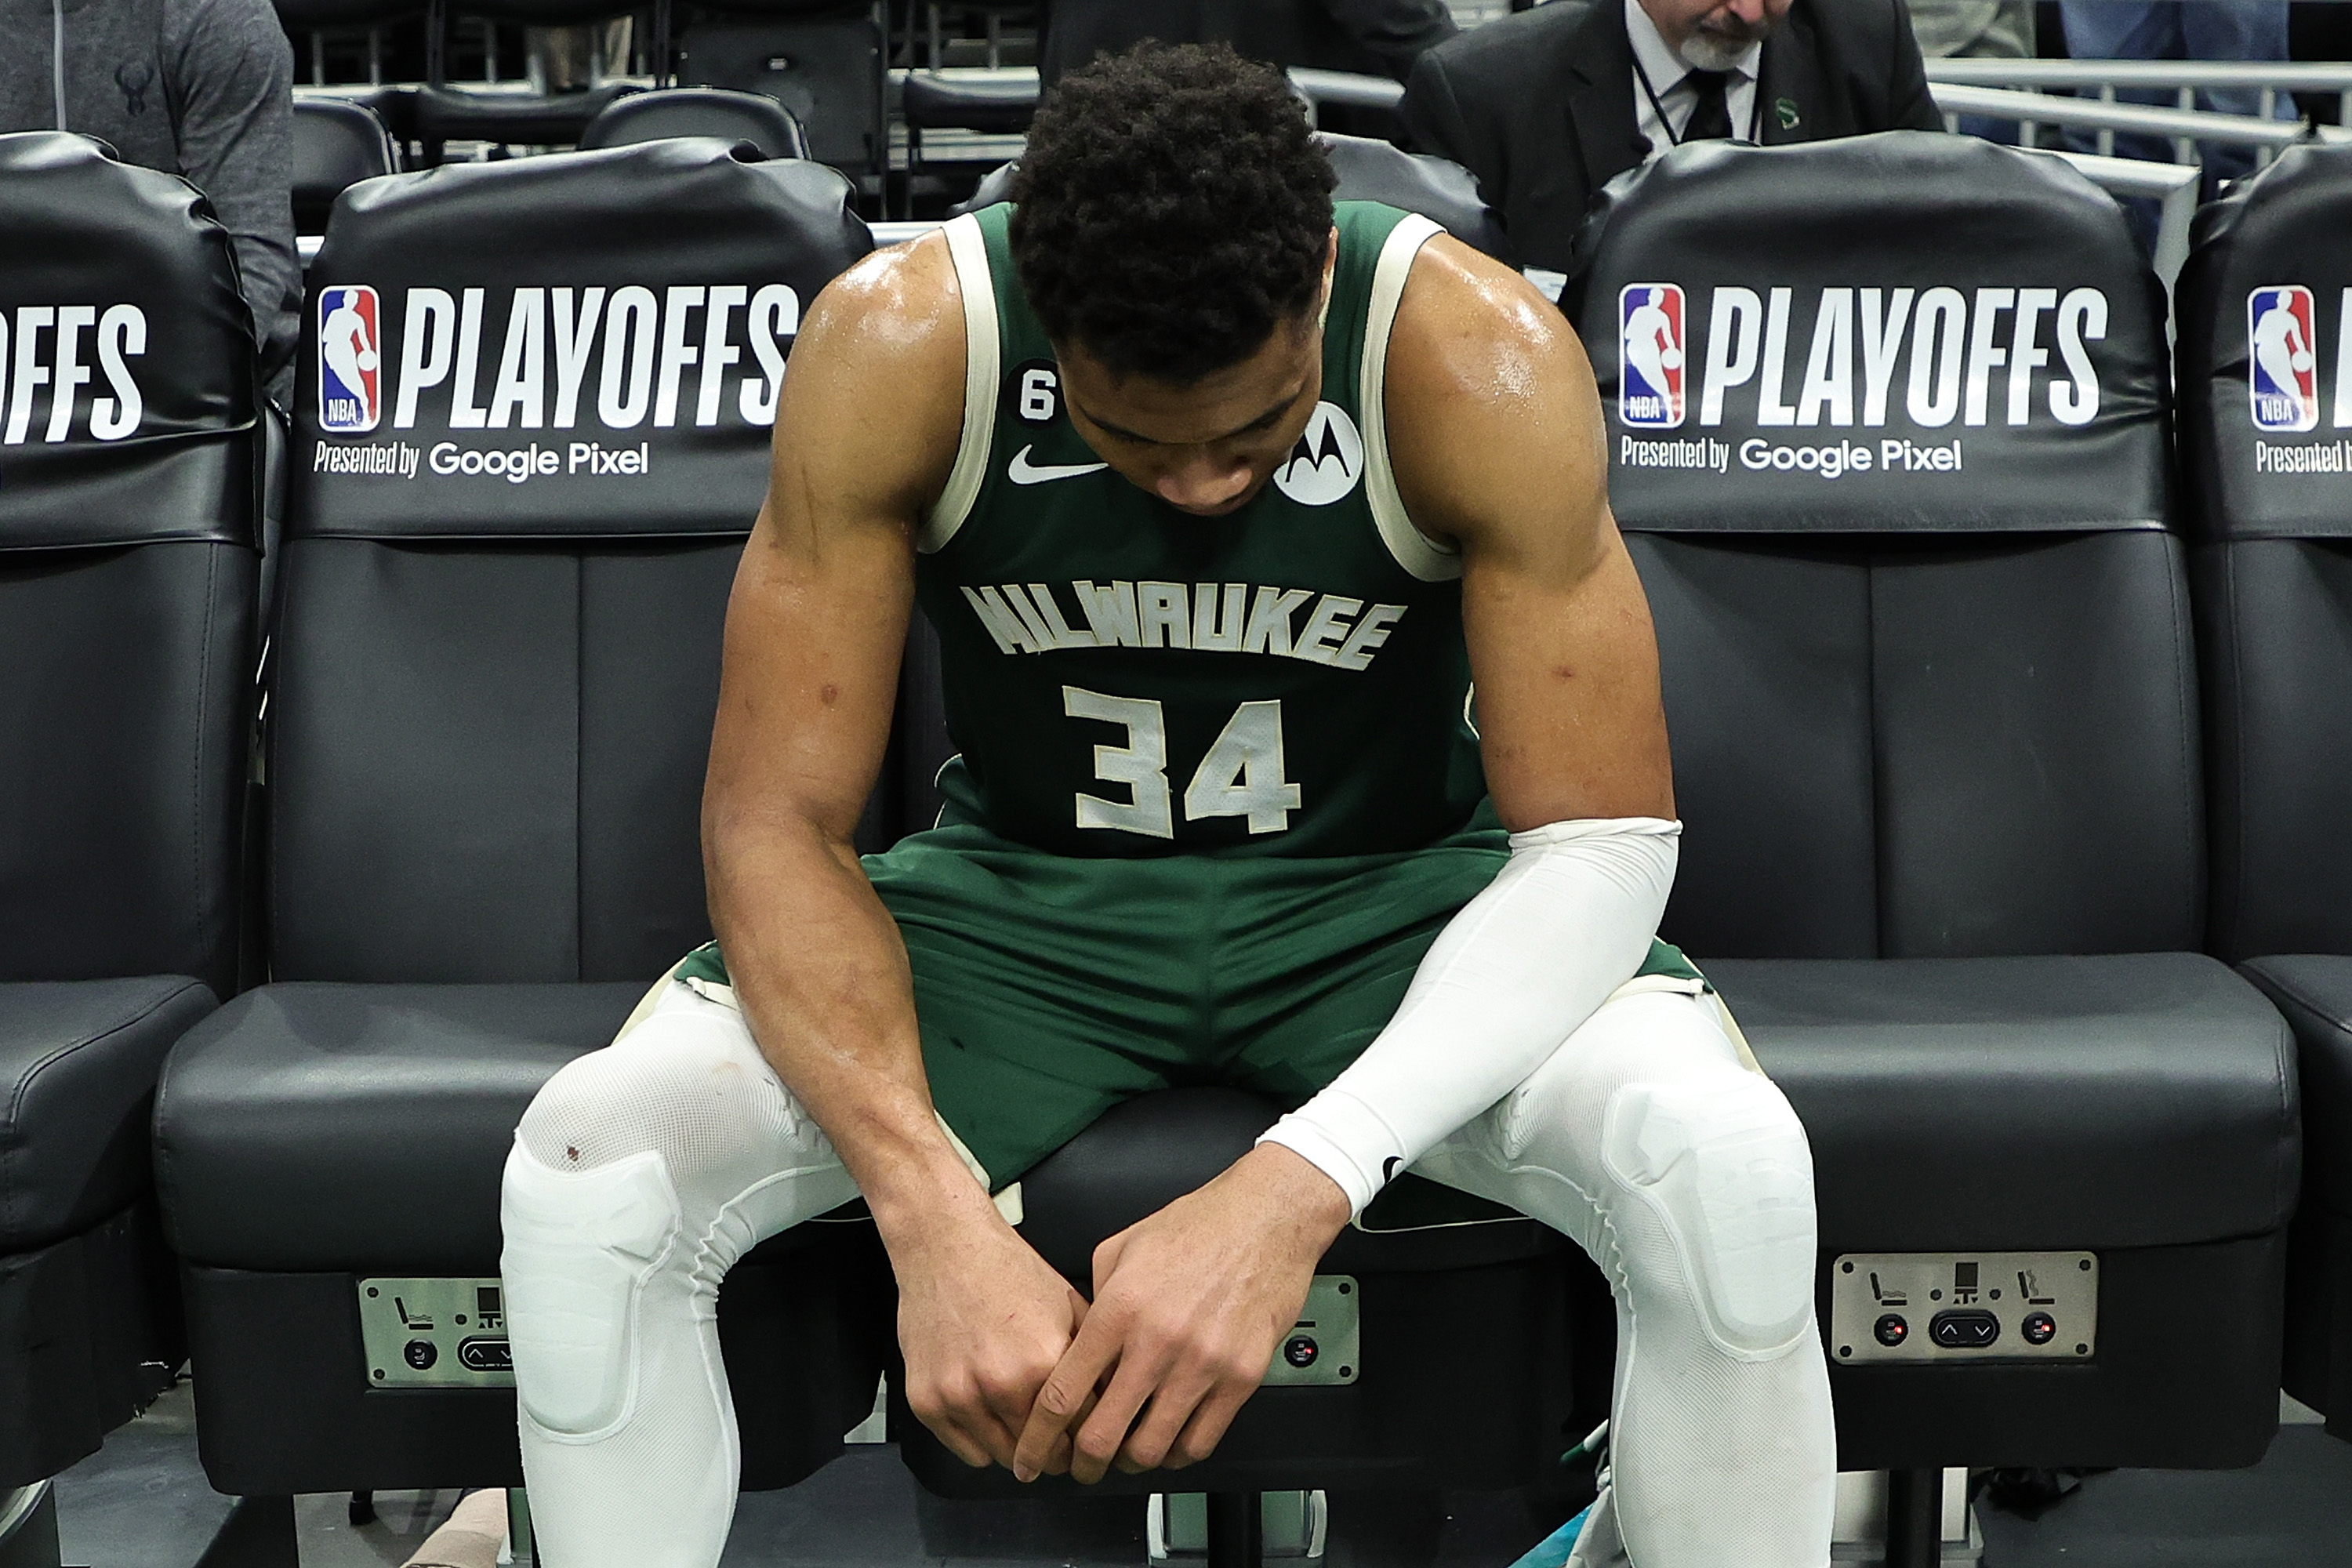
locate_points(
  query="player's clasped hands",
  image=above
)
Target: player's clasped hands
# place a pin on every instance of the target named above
(1189, 1306)
(1007, 1363)
(983, 1327)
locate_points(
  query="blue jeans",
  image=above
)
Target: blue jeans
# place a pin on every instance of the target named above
(2181, 30)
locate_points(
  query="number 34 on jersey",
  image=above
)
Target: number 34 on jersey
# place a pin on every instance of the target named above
(1242, 775)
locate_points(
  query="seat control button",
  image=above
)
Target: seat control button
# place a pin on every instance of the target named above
(1301, 1351)
(2039, 1328)
(420, 1354)
(486, 1355)
(1964, 1331)
(1892, 1330)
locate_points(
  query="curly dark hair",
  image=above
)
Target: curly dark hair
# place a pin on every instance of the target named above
(1173, 207)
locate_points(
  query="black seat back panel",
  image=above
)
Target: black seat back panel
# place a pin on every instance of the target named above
(488, 764)
(2277, 633)
(118, 837)
(1765, 657)
(1913, 748)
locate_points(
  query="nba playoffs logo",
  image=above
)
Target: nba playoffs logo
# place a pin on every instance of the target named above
(349, 358)
(2284, 384)
(1649, 355)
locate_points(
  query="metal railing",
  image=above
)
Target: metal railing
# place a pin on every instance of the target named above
(1321, 87)
(2183, 78)
(2184, 128)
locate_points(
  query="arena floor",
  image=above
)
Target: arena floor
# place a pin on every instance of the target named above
(142, 1502)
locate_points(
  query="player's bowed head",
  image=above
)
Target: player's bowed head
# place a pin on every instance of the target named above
(1173, 229)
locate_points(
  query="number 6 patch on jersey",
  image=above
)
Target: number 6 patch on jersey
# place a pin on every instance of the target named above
(1033, 393)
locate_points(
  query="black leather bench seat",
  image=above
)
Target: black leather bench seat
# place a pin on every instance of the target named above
(2315, 992)
(77, 1063)
(489, 714)
(1936, 749)
(2141, 1106)
(127, 602)
(400, 1100)
(2273, 586)
(2124, 1100)
(1004, 105)
(312, 1135)
(1417, 1277)
(89, 1327)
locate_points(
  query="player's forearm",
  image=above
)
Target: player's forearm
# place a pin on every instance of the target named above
(1568, 919)
(821, 973)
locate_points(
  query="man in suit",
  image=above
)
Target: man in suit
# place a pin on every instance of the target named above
(1380, 37)
(1547, 106)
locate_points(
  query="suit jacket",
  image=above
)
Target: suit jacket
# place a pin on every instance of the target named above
(1380, 37)
(1539, 105)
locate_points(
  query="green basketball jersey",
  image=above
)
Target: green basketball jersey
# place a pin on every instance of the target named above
(1126, 680)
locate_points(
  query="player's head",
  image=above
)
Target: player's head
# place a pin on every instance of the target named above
(1174, 235)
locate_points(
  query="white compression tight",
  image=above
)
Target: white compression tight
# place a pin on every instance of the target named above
(644, 1170)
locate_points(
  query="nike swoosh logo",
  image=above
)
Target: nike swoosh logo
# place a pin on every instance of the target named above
(1021, 471)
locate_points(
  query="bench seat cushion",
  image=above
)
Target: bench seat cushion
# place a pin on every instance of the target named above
(2315, 992)
(2126, 1100)
(326, 1126)
(77, 1065)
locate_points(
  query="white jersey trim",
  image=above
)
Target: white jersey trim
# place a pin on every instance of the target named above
(969, 250)
(1414, 551)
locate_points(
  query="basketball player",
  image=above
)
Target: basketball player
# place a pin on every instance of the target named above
(1219, 498)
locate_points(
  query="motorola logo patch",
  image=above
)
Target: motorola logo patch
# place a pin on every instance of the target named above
(1327, 463)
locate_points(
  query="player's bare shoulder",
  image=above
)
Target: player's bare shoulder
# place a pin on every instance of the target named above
(896, 300)
(1469, 327)
(1489, 398)
(874, 398)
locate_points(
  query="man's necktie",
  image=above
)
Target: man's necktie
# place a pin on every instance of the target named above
(1710, 117)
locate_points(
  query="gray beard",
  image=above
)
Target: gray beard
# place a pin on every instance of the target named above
(1704, 51)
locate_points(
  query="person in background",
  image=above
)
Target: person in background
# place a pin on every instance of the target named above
(1547, 106)
(201, 88)
(2183, 30)
(1376, 37)
(1976, 29)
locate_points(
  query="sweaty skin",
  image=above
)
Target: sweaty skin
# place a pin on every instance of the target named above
(1495, 436)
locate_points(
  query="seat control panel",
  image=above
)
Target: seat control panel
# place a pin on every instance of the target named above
(1324, 1347)
(452, 1333)
(1960, 1306)
(434, 1333)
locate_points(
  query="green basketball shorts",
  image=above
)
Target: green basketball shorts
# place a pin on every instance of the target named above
(1049, 988)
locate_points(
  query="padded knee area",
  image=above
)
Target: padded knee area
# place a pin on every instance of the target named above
(1724, 1163)
(579, 1248)
(688, 1083)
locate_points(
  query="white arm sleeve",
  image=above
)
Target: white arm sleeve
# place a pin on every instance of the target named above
(1567, 921)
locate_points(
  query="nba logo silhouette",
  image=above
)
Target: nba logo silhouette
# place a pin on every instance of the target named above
(349, 359)
(2281, 366)
(1649, 355)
